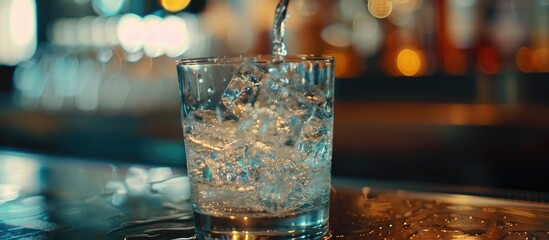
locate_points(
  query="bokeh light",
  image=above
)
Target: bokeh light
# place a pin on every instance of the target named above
(541, 59)
(98, 33)
(108, 7)
(524, 59)
(367, 34)
(409, 62)
(488, 60)
(461, 24)
(130, 32)
(68, 33)
(152, 37)
(380, 8)
(83, 31)
(401, 18)
(18, 36)
(111, 32)
(175, 42)
(307, 7)
(174, 5)
(402, 13)
(337, 34)
(349, 8)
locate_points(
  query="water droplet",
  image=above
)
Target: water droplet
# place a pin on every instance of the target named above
(200, 79)
(210, 91)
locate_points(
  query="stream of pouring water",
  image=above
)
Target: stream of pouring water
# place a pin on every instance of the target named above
(279, 49)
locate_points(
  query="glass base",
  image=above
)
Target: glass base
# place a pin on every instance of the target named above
(308, 225)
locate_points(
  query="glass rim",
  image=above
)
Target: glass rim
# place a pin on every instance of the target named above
(256, 59)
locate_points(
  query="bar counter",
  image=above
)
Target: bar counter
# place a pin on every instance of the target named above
(52, 197)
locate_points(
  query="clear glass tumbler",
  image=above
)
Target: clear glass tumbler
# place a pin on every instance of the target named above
(258, 137)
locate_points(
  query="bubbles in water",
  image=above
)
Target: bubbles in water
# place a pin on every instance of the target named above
(206, 131)
(210, 91)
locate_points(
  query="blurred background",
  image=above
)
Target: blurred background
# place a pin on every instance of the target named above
(427, 91)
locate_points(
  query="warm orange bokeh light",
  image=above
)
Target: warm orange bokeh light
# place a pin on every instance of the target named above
(541, 59)
(455, 62)
(524, 59)
(409, 62)
(488, 60)
(174, 5)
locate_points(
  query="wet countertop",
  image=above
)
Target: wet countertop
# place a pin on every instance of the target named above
(50, 197)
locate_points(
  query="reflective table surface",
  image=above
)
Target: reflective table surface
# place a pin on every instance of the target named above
(46, 197)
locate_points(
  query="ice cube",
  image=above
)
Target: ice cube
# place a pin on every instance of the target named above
(276, 85)
(314, 97)
(227, 168)
(289, 186)
(266, 135)
(273, 195)
(314, 143)
(279, 187)
(243, 87)
(286, 87)
(277, 107)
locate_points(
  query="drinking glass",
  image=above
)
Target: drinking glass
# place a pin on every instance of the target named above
(258, 139)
